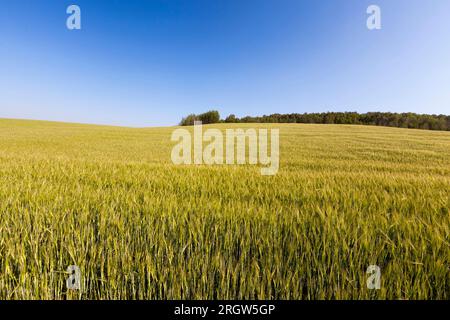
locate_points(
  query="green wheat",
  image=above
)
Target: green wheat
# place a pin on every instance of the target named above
(109, 200)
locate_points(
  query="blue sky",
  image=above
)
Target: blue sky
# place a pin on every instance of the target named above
(148, 63)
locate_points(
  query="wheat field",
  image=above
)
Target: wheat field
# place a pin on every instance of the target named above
(109, 200)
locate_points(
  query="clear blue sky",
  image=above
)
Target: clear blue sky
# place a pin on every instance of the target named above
(148, 63)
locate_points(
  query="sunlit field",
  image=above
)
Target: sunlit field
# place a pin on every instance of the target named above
(109, 200)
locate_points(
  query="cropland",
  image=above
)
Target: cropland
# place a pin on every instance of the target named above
(110, 200)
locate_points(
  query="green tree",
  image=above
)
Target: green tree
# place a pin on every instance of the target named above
(209, 117)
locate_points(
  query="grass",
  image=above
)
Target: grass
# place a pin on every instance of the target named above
(109, 200)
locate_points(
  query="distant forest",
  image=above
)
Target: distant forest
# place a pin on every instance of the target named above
(387, 119)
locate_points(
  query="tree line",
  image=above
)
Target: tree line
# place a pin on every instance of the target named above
(388, 119)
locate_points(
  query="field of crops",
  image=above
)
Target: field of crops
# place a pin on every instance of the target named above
(109, 200)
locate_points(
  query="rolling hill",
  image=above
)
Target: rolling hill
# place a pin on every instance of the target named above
(109, 200)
